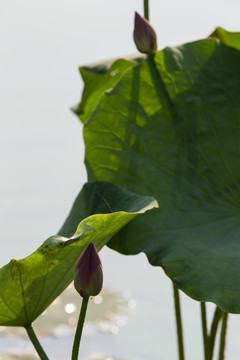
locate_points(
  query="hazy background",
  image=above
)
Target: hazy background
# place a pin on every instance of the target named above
(42, 43)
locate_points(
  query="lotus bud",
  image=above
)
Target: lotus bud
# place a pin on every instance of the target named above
(88, 276)
(144, 35)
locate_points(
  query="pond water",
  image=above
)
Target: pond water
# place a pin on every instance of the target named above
(42, 170)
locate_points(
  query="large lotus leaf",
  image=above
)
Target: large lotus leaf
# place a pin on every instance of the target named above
(170, 128)
(229, 38)
(29, 285)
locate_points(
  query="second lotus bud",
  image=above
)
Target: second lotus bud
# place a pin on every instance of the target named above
(88, 278)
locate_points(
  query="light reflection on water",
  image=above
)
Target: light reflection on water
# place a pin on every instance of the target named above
(122, 325)
(106, 314)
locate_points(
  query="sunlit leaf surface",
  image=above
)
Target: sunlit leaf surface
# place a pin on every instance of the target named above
(98, 79)
(170, 129)
(29, 285)
(229, 38)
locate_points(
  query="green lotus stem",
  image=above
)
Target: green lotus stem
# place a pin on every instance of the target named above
(205, 332)
(178, 323)
(78, 334)
(214, 327)
(146, 9)
(223, 336)
(36, 343)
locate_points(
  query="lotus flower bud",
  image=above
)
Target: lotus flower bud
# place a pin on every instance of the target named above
(88, 276)
(144, 35)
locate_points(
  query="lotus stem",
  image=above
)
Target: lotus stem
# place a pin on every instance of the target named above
(36, 343)
(78, 334)
(178, 323)
(146, 9)
(223, 337)
(214, 327)
(205, 332)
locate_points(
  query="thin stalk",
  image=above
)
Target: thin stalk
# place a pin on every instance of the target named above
(36, 343)
(78, 334)
(214, 327)
(223, 337)
(205, 332)
(146, 9)
(178, 323)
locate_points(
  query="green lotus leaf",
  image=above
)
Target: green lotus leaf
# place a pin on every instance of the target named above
(98, 79)
(227, 37)
(28, 286)
(170, 129)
